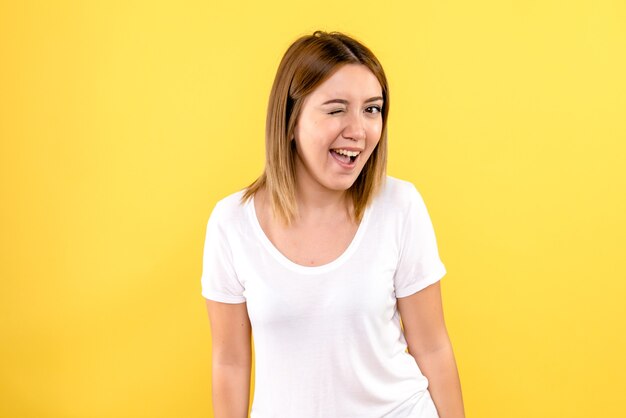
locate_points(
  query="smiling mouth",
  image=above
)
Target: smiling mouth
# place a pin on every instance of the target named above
(344, 160)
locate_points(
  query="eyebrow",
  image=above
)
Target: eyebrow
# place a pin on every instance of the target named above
(371, 99)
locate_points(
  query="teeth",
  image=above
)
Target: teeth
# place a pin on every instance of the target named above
(346, 152)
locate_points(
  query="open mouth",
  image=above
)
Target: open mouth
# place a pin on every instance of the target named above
(344, 160)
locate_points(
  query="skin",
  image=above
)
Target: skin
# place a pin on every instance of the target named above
(428, 342)
(320, 182)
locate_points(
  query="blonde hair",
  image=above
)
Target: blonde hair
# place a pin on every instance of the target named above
(307, 63)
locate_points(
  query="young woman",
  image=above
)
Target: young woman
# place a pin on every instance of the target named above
(322, 256)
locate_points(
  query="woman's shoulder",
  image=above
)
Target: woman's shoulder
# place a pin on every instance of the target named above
(230, 207)
(398, 192)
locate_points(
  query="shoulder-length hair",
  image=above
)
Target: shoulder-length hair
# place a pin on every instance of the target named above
(307, 63)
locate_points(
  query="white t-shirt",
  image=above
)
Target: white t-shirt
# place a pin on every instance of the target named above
(327, 339)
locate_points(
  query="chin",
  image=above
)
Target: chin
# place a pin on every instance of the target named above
(343, 185)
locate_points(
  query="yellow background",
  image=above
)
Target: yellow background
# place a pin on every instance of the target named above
(123, 122)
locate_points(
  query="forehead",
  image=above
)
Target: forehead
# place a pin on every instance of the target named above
(350, 81)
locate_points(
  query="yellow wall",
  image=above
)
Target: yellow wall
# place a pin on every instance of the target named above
(122, 123)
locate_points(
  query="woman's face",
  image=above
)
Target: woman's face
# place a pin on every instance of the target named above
(344, 112)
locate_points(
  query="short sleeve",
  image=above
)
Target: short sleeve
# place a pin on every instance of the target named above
(219, 280)
(419, 264)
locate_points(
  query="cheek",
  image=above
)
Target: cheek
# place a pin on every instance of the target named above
(320, 129)
(329, 127)
(377, 128)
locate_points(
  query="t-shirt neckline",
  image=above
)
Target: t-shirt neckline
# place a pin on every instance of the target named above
(280, 257)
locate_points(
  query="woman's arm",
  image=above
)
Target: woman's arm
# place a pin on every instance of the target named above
(231, 358)
(428, 342)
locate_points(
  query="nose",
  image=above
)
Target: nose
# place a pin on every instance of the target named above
(355, 128)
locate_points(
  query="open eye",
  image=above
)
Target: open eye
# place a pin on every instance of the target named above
(375, 107)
